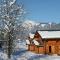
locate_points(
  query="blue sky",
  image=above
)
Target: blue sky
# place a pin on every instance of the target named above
(42, 10)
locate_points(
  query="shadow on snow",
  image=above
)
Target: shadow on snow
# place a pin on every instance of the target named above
(20, 52)
(37, 57)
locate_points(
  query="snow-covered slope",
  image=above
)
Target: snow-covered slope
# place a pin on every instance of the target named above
(21, 53)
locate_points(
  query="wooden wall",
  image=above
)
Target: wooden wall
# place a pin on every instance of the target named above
(49, 46)
(53, 45)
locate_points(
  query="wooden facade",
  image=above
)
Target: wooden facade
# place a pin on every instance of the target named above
(46, 45)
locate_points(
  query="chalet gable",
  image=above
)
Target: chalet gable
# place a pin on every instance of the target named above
(37, 35)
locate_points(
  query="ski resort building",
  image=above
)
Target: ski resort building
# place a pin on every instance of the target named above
(44, 42)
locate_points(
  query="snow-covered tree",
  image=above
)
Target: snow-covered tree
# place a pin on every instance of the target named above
(11, 15)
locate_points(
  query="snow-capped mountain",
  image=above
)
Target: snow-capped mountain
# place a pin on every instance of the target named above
(29, 24)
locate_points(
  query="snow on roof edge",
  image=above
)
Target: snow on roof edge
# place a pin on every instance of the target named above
(49, 34)
(31, 35)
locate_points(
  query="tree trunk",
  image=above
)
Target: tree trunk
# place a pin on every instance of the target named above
(10, 44)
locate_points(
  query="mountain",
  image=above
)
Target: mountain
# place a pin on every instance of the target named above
(29, 24)
(32, 25)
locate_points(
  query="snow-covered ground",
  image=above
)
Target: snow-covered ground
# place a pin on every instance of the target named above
(21, 53)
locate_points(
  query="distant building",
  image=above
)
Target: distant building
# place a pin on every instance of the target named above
(44, 42)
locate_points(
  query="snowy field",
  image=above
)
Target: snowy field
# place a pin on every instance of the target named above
(21, 53)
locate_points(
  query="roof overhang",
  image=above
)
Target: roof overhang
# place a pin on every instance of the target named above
(50, 34)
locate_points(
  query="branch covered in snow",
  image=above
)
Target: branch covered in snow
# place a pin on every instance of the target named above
(12, 17)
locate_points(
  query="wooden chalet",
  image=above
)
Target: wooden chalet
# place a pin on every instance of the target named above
(44, 42)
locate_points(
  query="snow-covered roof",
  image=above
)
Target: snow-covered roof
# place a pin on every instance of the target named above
(49, 34)
(31, 35)
(36, 42)
(27, 41)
